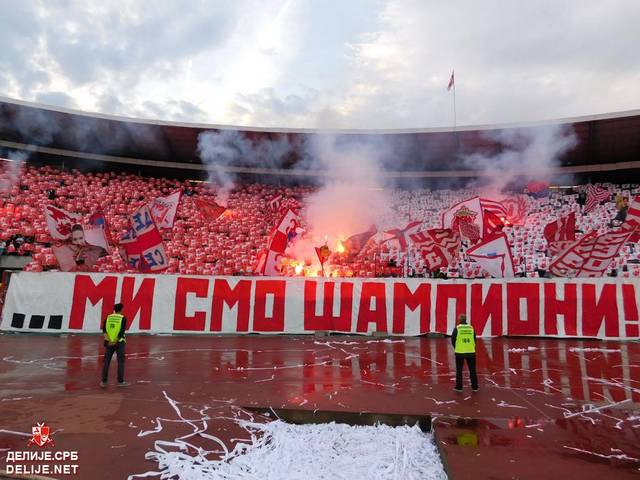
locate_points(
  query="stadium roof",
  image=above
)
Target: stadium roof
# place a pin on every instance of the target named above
(604, 142)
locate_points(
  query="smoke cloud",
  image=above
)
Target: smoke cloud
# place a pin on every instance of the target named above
(13, 171)
(222, 149)
(531, 154)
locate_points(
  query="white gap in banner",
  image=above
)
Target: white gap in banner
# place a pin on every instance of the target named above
(452, 304)
(269, 301)
(522, 309)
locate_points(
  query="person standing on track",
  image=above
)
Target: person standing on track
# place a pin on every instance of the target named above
(114, 341)
(463, 340)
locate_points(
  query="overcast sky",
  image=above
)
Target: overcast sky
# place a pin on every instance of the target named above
(324, 63)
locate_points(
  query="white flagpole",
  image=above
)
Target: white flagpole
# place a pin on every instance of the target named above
(454, 99)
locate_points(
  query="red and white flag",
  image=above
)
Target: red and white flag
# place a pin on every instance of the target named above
(633, 219)
(402, 235)
(562, 229)
(269, 263)
(281, 236)
(163, 209)
(469, 217)
(494, 256)
(493, 206)
(491, 224)
(595, 195)
(438, 247)
(96, 231)
(516, 208)
(633, 214)
(209, 209)
(275, 203)
(355, 243)
(141, 246)
(60, 222)
(452, 82)
(590, 255)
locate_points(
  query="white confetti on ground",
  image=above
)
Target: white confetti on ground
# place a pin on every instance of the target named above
(282, 451)
(520, 350)
(604, 350)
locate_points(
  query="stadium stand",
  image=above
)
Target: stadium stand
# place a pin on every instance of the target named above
(230, 244)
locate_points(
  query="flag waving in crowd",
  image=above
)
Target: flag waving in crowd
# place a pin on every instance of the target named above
(163, 209)
(141, 246)
(402, 235)
(590, 255)
(355, 243)
(209, 209)
(285, 231)
(438, 247)
(494, 256)
(595, 195)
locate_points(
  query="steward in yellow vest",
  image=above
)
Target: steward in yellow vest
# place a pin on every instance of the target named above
(114, 328)
(463, 340)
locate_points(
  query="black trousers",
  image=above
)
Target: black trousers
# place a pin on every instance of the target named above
(471, 363)
(108, 353)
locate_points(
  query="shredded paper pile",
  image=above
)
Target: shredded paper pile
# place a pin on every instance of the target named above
(279, 451)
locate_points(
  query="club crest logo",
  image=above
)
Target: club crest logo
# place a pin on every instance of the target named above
(40, 436)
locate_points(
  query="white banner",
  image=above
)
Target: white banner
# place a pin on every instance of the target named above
(77, 302)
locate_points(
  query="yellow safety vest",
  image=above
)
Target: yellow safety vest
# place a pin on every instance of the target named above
(465, 343)
(112, 324)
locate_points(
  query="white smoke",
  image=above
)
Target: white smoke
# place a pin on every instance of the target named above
(223, 150)
(531, 154)
(353, 195)
(13, 170)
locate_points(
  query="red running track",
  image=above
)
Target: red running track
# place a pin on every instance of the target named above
(545, 409)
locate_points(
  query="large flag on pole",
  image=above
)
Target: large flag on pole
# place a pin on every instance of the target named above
(283, 233)
(562, 229)
(209, 209)
(403, 235)
(163, 209)
(60, 222)
(474, 217)
(438, 247)
(590, 255)
(494, 256)
(452, 82)
(355, 243)
(141, 246)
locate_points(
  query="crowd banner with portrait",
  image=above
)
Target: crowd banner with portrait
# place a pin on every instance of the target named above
(77, 245)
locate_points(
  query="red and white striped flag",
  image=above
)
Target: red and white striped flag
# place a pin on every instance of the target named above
(590, 255)
(470, 217)
(403, 235)
(452, 82)
(595, 195)
(516, 208)
(633, 218)
(438, 246)
(562, 229)
(494, 256)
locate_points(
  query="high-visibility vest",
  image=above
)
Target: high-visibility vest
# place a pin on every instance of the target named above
(465, 343)
(112, 324)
